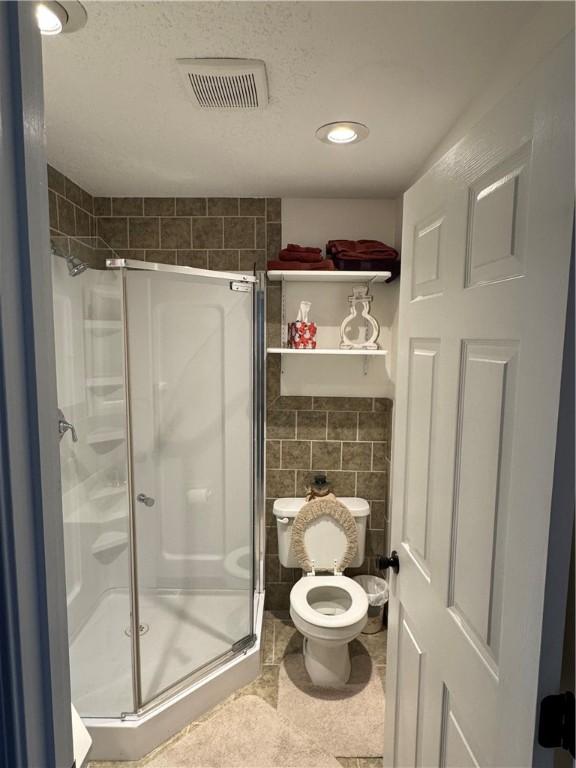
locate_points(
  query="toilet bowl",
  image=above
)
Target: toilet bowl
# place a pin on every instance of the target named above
(329, 609)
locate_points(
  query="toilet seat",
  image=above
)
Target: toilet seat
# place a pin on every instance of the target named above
(300, 594)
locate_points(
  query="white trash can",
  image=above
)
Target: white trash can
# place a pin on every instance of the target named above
(377, 593)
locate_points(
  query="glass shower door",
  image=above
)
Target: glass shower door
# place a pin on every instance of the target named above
(190, 362)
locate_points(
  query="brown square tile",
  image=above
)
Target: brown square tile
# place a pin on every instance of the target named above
(175, 232)
(326, 455)
(271, 568)
(295, 454)
(102, 206)
(250, 260)
(343, 483)
(56, 181)
(272, 539)
(380, 456)
(223, 261)
(260, 225)
(280, 483)
(273, 240)
(159, 206)
(53, 209)
(87, 202)
(373, 485)
(273, 209)
(144, 232)
(272, 379)
(239, 232)
(273, 454)
(281, 424)
(378, 514)
(161, 256)
(188, 258)
(273, 315)
(73, 192)
(357, 456)
(342, 426)
(278, 596)
(127, 206)
(82, 222)
(207, 233)
(375, 541)
(270, 519)
(372, 427)
(113, 230)
(383, 404)
(311, 425)
(293, 403)
(222, 206)
(190, 206)
(342, 403)
(252, 206)
(66, 217)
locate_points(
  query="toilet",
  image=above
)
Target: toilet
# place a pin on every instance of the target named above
(328, 608)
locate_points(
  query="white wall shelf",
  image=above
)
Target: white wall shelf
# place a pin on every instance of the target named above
(314, 352)
(326, 276)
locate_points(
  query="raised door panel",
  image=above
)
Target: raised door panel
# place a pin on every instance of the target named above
(423, 369)
(408, 697)
(427, 278)
(455, 749)
(481, 488)
(497, 221)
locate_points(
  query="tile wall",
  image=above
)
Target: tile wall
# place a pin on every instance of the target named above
(347, 438)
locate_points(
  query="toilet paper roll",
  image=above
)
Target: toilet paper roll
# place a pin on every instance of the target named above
(198, 495)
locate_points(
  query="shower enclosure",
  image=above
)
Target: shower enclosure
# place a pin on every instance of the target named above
(160, 375)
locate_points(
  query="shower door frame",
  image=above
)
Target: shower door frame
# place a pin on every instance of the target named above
(256, 283)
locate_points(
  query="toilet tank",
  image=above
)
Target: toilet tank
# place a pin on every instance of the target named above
(327, 536)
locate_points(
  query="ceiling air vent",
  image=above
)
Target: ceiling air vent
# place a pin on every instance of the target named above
(226, 83)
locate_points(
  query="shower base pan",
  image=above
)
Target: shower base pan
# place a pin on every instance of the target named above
(133, 736)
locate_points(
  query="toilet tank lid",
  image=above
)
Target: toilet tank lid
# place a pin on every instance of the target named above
(290, 507)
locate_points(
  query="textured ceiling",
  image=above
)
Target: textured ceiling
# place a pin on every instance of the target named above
(120, 122)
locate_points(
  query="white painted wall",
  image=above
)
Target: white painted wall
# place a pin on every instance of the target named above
(528, 47)
(314, 221)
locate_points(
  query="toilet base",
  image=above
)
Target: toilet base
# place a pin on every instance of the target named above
(327, 664)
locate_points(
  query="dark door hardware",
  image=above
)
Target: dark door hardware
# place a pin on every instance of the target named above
(389, 562)
(556, 725)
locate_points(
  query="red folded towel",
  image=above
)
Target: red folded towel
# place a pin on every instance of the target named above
(304, 256)
(374, 248)
(324, 264)
(303, 248)
(390, 255)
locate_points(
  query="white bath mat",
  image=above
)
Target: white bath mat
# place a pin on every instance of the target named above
(247, 733)
(346, 721)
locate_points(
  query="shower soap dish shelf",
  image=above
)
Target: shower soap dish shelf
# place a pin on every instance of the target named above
(109, 540)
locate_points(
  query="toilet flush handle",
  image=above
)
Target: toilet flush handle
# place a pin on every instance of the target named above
(283, 520)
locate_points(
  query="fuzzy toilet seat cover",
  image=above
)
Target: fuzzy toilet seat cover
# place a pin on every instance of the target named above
(312, 510)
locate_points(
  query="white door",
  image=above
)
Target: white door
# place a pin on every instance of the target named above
(486, 249)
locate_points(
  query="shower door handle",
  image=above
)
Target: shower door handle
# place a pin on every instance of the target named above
(146, 500)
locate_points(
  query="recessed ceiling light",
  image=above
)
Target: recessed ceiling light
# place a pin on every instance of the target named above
(342, 133)
(55, 17)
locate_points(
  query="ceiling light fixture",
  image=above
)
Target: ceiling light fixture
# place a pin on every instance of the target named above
(56, 17)
(342, 133)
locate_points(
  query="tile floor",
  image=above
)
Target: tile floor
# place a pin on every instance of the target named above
(279, 639)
